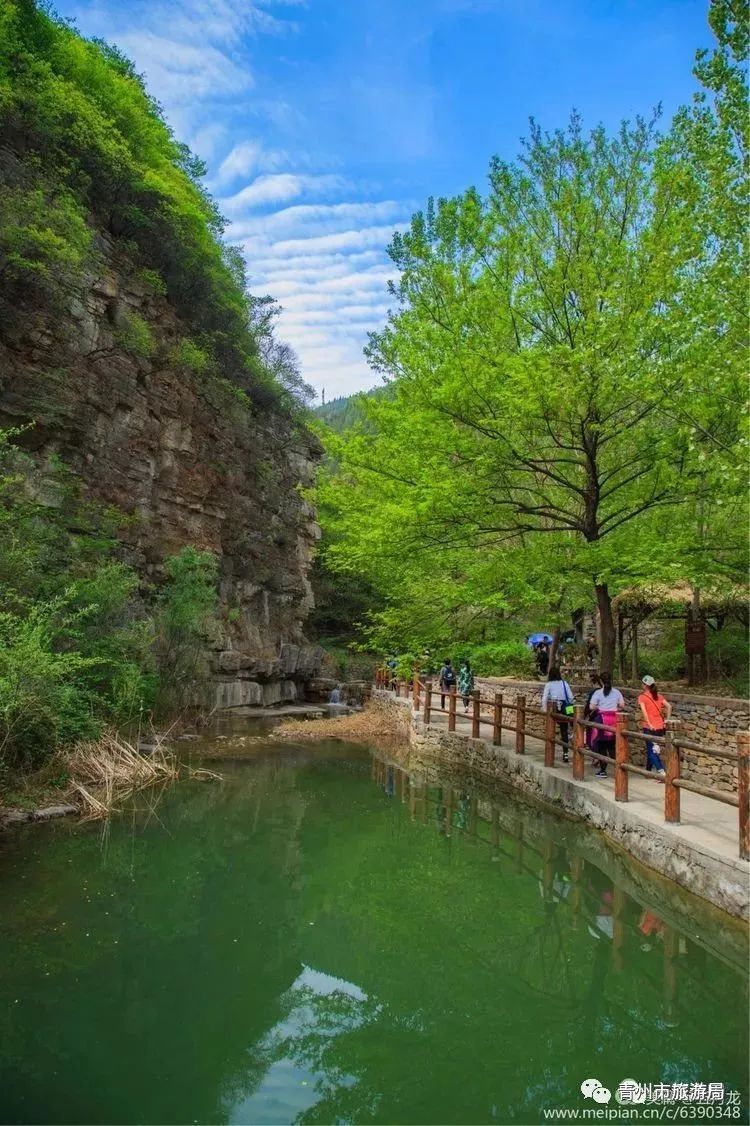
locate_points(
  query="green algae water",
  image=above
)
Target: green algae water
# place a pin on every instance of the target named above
(322, 937)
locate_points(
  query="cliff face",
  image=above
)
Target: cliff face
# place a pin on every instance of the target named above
(181, 454)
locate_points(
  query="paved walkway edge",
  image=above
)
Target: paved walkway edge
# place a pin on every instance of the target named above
(695, 867)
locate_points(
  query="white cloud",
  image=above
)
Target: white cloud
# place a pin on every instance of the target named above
(323, 272)
(359, 239)
(180, 72)
(206, 140)
(365, 315)
(328, 218)
(248, 158)
(271, 265)
(331, 288)
(281, 187)
(192, 52)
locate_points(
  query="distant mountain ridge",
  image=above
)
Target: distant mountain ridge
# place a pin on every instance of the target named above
(345, 411)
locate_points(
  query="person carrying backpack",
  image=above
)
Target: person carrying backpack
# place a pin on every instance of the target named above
(465, 682)
(608, 701)
(447, 680)
(592, 713)
(560, 693)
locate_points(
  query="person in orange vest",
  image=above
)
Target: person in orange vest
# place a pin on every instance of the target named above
(655, 711)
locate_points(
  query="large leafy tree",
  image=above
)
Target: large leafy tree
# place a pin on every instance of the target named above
(545, 381)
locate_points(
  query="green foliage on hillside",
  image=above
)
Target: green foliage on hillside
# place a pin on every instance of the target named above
(93, 151)
(340, 414)
(82, 645)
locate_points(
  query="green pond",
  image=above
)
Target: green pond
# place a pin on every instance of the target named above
(322, 937)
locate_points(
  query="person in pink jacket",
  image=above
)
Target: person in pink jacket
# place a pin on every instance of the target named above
(608, 701)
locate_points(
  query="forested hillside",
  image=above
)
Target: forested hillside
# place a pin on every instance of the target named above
(154, 544)
(342, 413)
(339, 413)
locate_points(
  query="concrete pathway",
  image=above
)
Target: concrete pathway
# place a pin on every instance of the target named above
(706, 825)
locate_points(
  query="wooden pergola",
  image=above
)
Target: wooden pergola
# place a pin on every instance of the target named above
(681, 600)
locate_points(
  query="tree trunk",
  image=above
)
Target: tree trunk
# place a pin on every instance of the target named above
(606, 628)
(553, 659)
(634, 654)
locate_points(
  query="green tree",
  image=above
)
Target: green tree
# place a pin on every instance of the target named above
(532, 433)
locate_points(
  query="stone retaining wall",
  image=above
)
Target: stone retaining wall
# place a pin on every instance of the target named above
(713, 721)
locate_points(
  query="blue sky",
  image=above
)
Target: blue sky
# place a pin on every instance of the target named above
(326, 123)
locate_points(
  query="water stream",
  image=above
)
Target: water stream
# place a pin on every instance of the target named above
(323, 938)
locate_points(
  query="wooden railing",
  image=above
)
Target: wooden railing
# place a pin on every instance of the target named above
(670, 746)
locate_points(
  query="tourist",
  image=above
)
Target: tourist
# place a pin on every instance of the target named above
(591, 713)
(391, 665)
(655, 711)
(559, 692)
(447, 680)
(608, 701)
(465, 682)
(542, 657)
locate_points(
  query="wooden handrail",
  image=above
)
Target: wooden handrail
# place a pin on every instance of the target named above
(671, 747)
(717, 795)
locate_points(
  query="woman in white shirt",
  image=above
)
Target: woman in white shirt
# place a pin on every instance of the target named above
(608, 701)
(561, 694)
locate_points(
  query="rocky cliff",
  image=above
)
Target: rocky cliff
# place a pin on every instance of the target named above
(102, 379)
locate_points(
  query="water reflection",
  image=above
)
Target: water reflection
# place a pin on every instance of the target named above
(582, 892)
(326, 937)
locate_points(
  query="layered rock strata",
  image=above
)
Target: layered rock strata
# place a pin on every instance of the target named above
(182, 455)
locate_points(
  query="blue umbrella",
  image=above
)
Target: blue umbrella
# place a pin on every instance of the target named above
(535, 638)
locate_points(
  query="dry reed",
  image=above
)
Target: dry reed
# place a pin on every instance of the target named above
(367, 724)
(104, 773)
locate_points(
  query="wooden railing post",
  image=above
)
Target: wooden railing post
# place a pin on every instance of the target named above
(579, 742)
(671, 792)
(427, 701)
(743, 791)
(497, 720)
(621, 757)
(415, 691)
(475, 714)
(452, 708)
(549, 735)
(520, 724)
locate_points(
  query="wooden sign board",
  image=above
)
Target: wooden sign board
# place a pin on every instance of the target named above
(695, 637)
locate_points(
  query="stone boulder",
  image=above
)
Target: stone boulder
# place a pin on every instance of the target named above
(319, 688)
